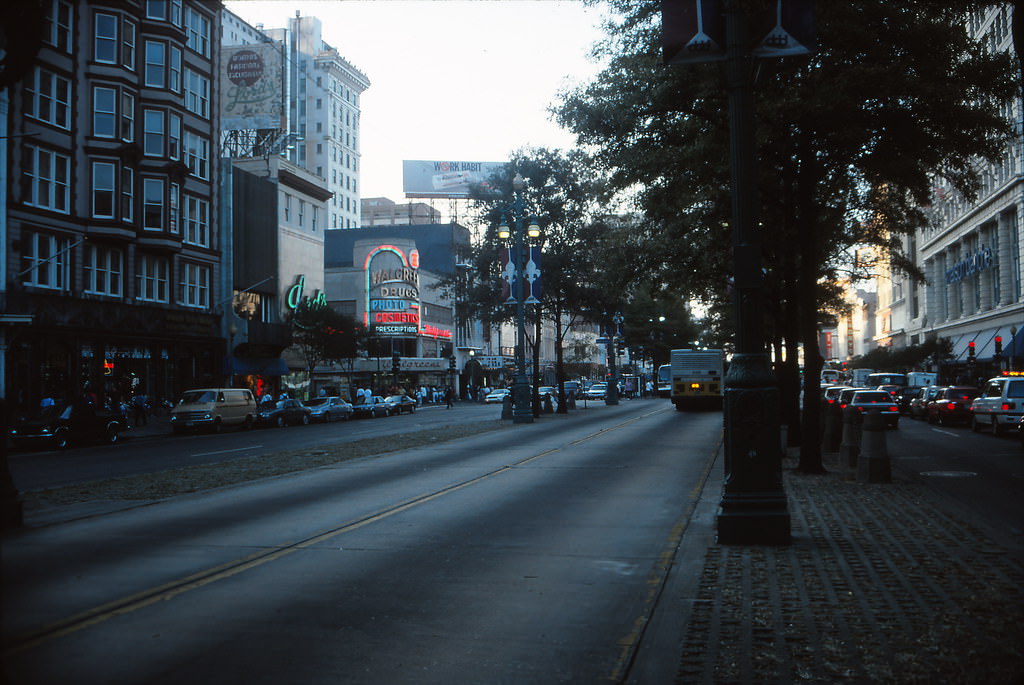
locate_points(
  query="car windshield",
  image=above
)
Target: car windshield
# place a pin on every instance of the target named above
(318, 402)
(197, 396)
(394, 398)
(960, 394)
(869, 397)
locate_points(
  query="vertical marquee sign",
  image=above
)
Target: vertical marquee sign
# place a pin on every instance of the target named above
(392, 292)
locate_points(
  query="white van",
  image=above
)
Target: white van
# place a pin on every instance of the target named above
(214, 409)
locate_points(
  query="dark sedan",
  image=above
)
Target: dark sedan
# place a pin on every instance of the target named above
(284, 413)
(370, 407)
(63, 426)
(400, 404)
(328, 409)
(951, 405)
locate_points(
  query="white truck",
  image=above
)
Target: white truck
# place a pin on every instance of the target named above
(921, 378)
(859, 377)
(698, 379)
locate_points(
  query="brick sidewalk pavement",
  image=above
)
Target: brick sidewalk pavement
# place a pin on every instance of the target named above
(882, 584)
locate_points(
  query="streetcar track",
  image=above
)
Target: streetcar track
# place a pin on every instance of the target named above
(140, 600)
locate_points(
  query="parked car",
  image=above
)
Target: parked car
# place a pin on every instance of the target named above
(906, 395)
(497, 396)
(918, 405)
(400, 404)
(863, 400)
(1000, 404)
(370, 407)
(71, 424)
(951, 405)
(283, 413)
(596, 391)
(328, 409)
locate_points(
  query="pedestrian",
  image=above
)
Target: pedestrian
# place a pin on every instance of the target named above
(448, 396)
(138, 409)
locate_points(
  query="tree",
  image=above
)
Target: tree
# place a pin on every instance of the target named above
(850, 140)
(324, 335)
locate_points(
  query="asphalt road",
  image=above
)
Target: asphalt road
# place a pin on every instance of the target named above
(533, 554)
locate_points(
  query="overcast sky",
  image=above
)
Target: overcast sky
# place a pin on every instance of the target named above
(458, 80)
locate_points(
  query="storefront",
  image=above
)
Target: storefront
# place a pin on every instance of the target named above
(109, 350)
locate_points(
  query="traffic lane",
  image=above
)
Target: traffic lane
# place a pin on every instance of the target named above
(36, 470)
(534, 574)
(981, 471)
(60, 570)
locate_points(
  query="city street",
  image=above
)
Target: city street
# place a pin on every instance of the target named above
(530, 554)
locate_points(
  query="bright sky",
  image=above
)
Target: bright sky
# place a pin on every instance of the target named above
(458, 80)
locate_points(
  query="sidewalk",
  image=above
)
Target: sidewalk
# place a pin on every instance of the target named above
(884, 583)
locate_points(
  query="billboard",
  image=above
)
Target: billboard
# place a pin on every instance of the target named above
(422, 178)
(252, 96)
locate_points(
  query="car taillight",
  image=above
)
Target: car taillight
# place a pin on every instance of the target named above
(894, 408)
(1007, 406)
(951, 406)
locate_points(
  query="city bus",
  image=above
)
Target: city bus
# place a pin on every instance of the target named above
(663, 385)
(698, 379)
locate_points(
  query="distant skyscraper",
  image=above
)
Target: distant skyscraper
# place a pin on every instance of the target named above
(322, 90)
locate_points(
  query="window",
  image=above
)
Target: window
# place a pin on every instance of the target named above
(174, 74)
(57, 31)
(47, 173)
(104, 112)
(195, 285)
(128, 45)
(198, 27)
(197, 155)
(287, 207)
(174, 205)
(127, 194)
(45, 260)
(103, 175)
(105, 39)
(197, 221)
(302, 211)
(316, 217)
(127, 117)
(153, 132)
(103, 270)
(153, 204)
(156, 9)
(197, 93)
(176, 12)
(151, 279)
(156, 63)
(174, 136)
(48, 98)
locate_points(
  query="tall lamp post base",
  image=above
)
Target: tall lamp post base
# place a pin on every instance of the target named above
(753, 509)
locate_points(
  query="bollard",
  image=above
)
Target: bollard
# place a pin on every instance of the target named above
(850, 446)
(506, 408)
(833, 436)
(874, 465)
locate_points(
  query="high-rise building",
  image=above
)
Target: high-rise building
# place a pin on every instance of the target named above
(322, 91)
(111, 246)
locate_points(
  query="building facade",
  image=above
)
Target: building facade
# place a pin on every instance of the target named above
(971, 254)
(111, 240)
(380, 211)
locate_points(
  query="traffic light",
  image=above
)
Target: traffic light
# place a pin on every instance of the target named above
(970, 351)
(999, 345)
(396, 362)
(451, 363)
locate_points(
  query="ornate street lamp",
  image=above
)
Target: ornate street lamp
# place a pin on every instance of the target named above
(521, 410)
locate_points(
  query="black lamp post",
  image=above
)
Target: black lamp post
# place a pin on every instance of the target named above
(521, 409)
(612, 396)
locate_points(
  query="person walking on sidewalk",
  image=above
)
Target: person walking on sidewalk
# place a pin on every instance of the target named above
(448, 396)
(139, 409)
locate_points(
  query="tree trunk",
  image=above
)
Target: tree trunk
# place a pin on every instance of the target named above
(810, 439)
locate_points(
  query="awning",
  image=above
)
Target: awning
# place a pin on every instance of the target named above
(258, 366)
(985, 343)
